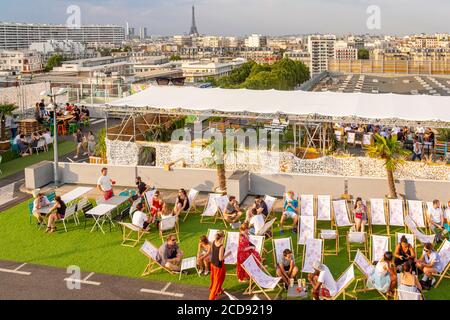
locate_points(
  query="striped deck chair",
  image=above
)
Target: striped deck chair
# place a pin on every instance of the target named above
(260, 279)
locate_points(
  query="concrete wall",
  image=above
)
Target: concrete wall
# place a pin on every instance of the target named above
(206, 180)
(39, 175)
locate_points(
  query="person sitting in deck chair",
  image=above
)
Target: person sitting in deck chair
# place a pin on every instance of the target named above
(436, 220)
(409, 281)
(287, 269)
(323, 283)
(429, 263)
(260, 206)
(140, 219)
(291, 209)
(360, 215)
(40, 202)
(384, 277)
(170, 255)
(203, 255)
(182, 202)
(404, 252)
(256, 222)
(232, 212)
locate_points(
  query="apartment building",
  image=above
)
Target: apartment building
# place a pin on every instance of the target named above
(21, 61)
(21, 36)
(256, 41)
(321, 48)
(198, 71)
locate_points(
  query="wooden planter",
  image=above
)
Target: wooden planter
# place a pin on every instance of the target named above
(5, 145)
(97, 160)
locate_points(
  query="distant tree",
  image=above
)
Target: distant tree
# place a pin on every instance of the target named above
(175, 57)
(54, 61)
(363, 54)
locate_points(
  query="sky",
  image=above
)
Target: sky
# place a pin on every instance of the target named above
(242, 17)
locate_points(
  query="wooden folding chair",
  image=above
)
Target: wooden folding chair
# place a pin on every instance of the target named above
(324, 213)
(344, 281)
(231, 246)
(192, 196)
(312, 251)
(396, 214)
(210, 209)
(169, 226)
(341, 214)
(379, 246)
(444, 254)
(366, 268)
(409, 236)
(306, 229)
(407, 295)
(377, 214)
(360, 240)
(270, 202)
(307, 205)
(279, 245)
(222, 202)
(151, 252)
(131, 234)
(260, 279)
(264, 232)
(148, 196)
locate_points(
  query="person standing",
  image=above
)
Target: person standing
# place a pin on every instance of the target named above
(417, 150)
(105, 184)
(81, 141)
(13, 127)
(90, 144)
(218, 270)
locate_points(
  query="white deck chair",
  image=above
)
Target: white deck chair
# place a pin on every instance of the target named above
(379, 245)
(279, 245)
(270, 202)
(377, 215)
(312, 251)
(128, 230)
(258, 242)
(149, 198)
(264, 232)
(324, 214)
(260, 280)
(210, 209)
(151, 252)
(187, 264)
(423, 238)
(408, 295)
(192, 196)
(211, 235)
(232, 297)
(360, 240)
(396, 213)
(222, 202)
(344, 281)
(444, 255)
(409, 236)
(366, 268)
(306, 229)
(415, 210)
(341, 216)
(307, 205)
(169, 226)
(231, 245)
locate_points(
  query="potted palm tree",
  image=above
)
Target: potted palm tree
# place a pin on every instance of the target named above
(218, 150)
(5, 110)
(393, 155)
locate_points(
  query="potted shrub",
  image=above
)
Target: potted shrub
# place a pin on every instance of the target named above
(5, 110)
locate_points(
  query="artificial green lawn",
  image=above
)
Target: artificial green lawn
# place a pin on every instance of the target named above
(19, 164)
(102, 253)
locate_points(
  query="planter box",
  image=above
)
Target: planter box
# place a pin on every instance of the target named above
(5, 145)
(97, 160)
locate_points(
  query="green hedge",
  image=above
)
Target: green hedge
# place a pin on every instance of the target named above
(9, 156)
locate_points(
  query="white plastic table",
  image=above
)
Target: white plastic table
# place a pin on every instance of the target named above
(75, 194)
(188, 263)
(101, 213)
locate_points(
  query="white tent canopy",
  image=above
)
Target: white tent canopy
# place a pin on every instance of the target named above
(328, 104)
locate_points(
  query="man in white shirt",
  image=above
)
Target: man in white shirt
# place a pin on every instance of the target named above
(140, 219)
(436, 217)
(105, 184)
(256, 222)
(322, 280)
(40, 202)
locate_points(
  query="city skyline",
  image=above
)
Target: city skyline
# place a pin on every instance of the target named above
(271, 17)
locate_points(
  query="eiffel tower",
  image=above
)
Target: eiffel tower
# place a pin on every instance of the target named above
(194, 31)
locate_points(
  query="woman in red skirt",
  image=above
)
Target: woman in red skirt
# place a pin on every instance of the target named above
(245, 249)
(218, 270)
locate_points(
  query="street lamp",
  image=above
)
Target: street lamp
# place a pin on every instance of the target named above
(52, 97)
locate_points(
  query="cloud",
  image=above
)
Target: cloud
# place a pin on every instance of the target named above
(239, 17)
